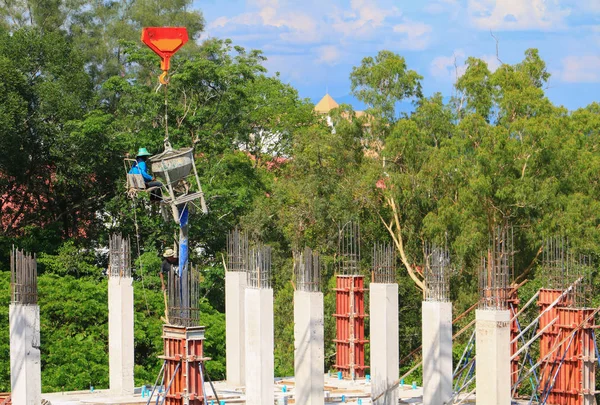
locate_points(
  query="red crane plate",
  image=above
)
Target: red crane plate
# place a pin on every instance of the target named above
(165, 41)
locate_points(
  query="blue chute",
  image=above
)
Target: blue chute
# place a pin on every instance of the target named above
(183, 243)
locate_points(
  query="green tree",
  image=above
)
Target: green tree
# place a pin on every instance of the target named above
(45, 90)
(383, 81)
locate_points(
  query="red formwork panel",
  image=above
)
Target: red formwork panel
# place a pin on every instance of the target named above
(550, 337)
(512, 302)
(569, 372)
(350, 326)
(574, 362)
(183, 355)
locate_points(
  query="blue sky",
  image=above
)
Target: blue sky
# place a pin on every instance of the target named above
(315, 43)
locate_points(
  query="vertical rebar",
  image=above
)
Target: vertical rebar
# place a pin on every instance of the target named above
(497, 269)
(562, 267)
(259, 270)
(437, 273)
(384, 263)
(120, 256)
(349, 248)
(23, 277)
(184, 310)
(237, 250)
(307, 269)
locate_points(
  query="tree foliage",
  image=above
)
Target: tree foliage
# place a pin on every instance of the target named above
(78, 92)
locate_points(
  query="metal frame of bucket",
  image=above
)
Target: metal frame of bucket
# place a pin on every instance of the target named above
(174, 166)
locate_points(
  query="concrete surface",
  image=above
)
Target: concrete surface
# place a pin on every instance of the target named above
(260, 358)
(309, 350)
(120, 335)
(492, 367)
(25, 365)
(437, 352)
(235, 286)
(384, 341)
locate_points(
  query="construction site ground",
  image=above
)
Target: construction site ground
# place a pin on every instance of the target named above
(336, 391)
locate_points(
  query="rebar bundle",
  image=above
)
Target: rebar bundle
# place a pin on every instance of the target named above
(184, 308)
(384, 263)
(497, 270)
(562, 267)
(120, 256)
(349, 249)
(259, 269)
(237, 250)
(437, 273)
(307, 269)
(23, 277)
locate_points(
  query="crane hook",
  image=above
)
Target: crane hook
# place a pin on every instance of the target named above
(163, 77)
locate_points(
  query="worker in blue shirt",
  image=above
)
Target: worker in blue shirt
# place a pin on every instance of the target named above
(139, 167)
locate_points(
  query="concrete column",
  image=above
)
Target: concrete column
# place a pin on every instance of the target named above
(437, 352)
(25, 365)
(120, 335)
(493, 357)
(384, 341)
(309, 350)
(235, 337)
(260, 373)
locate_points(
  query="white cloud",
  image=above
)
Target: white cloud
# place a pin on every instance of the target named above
(517, 14)
(328, 54)
(292, 68)
(296, 21)
(583, 6)
(295, 26)
(596, 35)
(415, 35)
(442, 6)
(219, 22)
(264, 3)
(492, 62)
(363, 18)
(581, 69)
(448, 67)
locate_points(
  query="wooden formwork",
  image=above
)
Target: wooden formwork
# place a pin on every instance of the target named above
(184, 356)
(350, 326)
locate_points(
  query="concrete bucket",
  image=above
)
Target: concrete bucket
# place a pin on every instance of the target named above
(173, 165)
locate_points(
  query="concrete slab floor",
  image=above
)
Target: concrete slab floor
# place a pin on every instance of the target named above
(334, 390)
